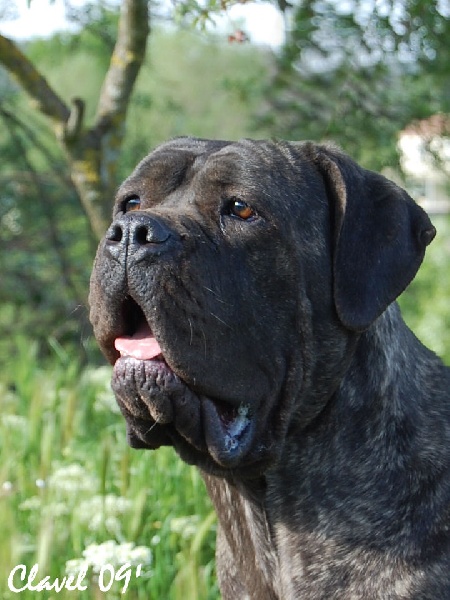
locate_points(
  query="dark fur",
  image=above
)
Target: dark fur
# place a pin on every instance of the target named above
(321, 425)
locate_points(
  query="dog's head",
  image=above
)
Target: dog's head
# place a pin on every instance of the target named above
(232, 285)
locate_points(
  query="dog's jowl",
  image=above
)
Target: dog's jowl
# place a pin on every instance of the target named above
(245, 293)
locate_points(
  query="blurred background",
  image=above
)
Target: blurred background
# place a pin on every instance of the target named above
(82, 100)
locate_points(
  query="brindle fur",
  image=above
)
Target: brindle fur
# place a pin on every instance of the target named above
(341, 491)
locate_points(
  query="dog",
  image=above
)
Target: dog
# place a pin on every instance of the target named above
(245, 294)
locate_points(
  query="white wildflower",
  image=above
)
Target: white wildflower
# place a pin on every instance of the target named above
(55, 509)
(7, 487)
(32, 503)
(25, 544)
(105, 401)
(110, 524)
(100, 376)
(70, 479)
(15, 423)
(102, 511)
(8, 396)
(117, 555)
(109, 504)
(75, 566)
(186, 527)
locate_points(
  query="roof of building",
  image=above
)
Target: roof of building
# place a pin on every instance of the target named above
(436, 125)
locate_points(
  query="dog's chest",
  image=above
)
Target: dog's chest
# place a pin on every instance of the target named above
(262, 555)
(246, 553)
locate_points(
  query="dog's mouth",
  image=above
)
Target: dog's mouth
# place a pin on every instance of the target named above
(142, 345)
(160, 408)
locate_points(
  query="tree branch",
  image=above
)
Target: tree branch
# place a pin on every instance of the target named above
(126, 60)
(92, 152)
(29, 78)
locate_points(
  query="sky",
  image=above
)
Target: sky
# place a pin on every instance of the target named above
(262, 22)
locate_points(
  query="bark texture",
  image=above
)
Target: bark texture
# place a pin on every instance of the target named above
(92, 152)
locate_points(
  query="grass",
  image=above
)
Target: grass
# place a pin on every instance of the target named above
(72, 490)
(425, 304)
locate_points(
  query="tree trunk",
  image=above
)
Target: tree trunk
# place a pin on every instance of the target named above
(92, 152)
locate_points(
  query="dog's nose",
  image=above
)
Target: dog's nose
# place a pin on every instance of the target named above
(137, 235)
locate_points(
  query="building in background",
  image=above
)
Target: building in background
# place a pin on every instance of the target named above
(425, 159)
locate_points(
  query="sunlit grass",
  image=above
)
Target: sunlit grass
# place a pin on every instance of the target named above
(70, 488)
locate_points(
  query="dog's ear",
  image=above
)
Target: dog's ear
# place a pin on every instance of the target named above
(380, 236)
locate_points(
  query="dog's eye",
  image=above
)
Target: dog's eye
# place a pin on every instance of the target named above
(239, 208)
(132, 203)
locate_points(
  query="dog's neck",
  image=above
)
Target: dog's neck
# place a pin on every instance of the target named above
(247, 542)
(392, 348)
(374, 448)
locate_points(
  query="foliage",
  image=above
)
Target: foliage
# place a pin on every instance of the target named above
(92, 151)
(194, 84)
(359, 72)
(200, 13)
(68, 482)
(425, 304)
(43, 241)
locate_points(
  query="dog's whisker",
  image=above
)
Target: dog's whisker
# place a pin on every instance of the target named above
(216, 295)
(220, 320)
(191, 336)
(79, 308)
(151, 427)
(204, 343)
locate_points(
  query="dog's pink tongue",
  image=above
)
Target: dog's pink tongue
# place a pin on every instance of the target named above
(142, 345)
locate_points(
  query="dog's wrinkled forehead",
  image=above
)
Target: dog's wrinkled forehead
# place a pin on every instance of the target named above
(177, 163)
(169, 166)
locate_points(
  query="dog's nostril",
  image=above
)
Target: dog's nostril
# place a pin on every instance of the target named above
(142, 235)
(114, 233)
(151, 231)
